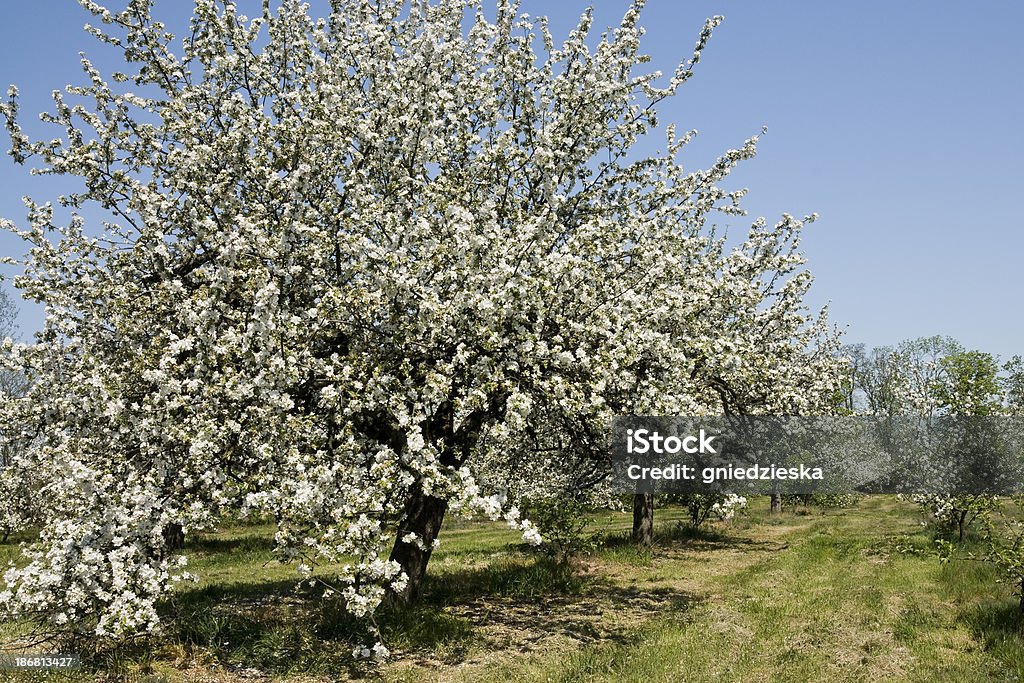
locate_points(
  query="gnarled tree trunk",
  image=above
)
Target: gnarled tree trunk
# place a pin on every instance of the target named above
(423, 517)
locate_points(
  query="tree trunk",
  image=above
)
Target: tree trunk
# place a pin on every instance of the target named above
(174, 537)
(643, 518)
(7, 534)
(961, 524)
(776, 502)
(423, 517)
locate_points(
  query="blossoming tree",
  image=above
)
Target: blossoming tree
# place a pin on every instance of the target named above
(350, 262)
(15, 493)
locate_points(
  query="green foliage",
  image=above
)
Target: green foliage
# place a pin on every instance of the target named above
(1013, 385)
(956, 513)
(1003, 533)
(1002, 538)
(969, 383)
(562, 522)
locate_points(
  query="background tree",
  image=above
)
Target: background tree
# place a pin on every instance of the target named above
(889, 381)
(968, 384)
(11, 383)
(857, 366)
(770, 355)
(16, 499)
(936, 376)
(876, 381)
(1013, 385)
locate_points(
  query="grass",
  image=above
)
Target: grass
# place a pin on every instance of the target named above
(844, 595)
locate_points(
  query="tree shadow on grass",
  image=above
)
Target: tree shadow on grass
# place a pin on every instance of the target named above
(511, 577)
(999, 626)
(273, 626)
(280, 626)
(514, 602)
(996, 622)
(241, 593)
(231, 546)
(521, 603)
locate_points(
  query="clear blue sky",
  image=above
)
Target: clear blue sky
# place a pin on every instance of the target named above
(898, 122)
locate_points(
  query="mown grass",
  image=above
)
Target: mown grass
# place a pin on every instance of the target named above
(842, 595)
(831, 601)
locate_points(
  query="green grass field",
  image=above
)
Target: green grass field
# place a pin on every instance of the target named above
(837, 595)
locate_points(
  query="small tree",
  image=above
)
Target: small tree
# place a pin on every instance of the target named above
(12, 383)
(956, 512)
(701, 507)
(967, 384)
(562, 522)
(1002, 532)
(1004, 539)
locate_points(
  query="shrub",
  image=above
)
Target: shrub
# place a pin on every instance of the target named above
(704, 506)
(562, 522)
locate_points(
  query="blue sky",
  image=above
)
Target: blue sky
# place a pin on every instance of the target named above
(899, 123)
